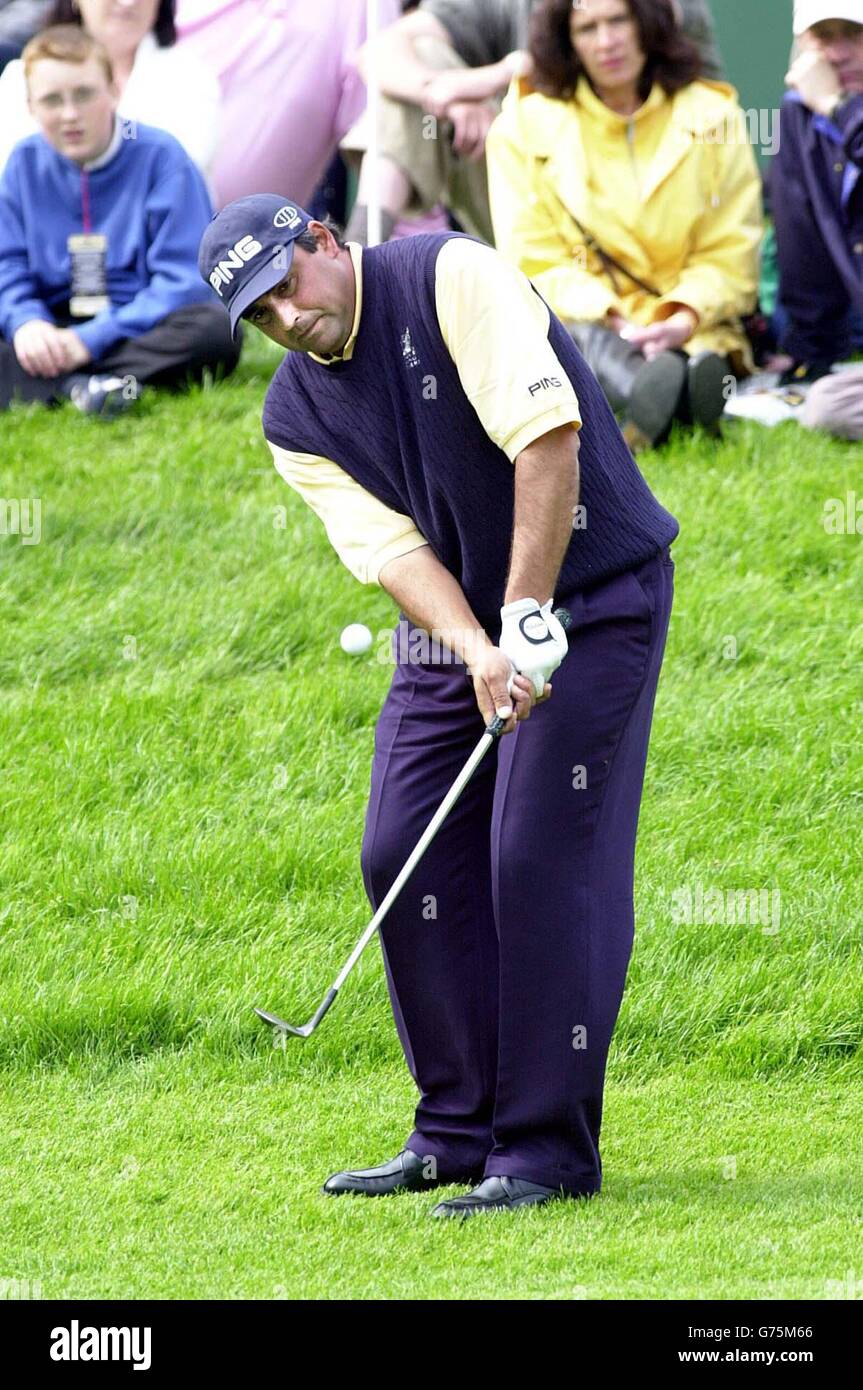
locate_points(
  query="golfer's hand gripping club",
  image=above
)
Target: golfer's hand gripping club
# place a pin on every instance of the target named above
(534, 639)
(561, 621)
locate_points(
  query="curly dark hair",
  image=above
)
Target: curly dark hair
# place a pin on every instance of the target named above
(673, 60)
(164, 27)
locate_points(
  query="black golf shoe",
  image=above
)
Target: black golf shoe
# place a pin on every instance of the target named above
(407, 1172)
(707, 380)
(498, 1194)
(654, 397)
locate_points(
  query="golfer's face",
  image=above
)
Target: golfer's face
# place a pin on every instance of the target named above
(841, 43)
(309, 310)
(605, 37)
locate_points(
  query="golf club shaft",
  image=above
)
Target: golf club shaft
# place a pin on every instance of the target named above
(440, 815)
(492, 733)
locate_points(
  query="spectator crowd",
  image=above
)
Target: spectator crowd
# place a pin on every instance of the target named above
(597, 145)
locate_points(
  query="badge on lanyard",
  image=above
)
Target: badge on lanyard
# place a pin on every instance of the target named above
(88, 252)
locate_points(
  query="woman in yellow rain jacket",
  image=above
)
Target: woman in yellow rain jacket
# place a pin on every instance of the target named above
(626, 189)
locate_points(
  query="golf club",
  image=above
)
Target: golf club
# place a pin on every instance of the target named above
(492, 733)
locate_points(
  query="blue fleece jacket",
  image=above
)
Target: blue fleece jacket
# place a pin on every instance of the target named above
(147, 197)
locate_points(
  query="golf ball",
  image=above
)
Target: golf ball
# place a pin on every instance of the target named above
(355, 639)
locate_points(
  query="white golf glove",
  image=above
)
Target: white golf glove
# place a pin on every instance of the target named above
(533, 639)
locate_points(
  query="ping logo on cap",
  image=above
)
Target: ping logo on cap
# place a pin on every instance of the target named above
(223, 272)
(287, 217)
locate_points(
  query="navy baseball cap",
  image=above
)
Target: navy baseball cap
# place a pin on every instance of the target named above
(248, 248)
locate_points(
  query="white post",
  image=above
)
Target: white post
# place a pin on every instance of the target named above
(372, 94)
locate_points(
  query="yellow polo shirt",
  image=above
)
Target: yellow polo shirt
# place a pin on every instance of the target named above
(496, 330)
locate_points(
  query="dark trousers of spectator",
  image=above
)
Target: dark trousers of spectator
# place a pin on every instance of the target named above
(174, 353)
(330, 196)
(848, 332)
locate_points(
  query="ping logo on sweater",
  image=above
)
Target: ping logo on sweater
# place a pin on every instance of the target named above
(76, 1343)
(223, 272)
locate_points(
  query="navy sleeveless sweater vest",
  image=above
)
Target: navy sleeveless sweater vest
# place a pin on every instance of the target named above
(395, 417)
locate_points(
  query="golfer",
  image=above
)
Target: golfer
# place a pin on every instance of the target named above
(443, 426)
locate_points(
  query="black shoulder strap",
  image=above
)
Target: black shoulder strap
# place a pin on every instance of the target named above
(609, 264)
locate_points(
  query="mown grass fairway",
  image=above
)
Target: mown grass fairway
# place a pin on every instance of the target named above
(186, 756)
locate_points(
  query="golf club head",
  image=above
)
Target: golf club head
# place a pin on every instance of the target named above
(307, 1028)
(279, 1023)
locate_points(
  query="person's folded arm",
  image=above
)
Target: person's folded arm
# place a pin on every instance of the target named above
(529, 231)
(476, 85)
(178, 211)
(400, 73)
(720, 279)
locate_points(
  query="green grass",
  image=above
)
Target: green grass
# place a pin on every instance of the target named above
(182, 816)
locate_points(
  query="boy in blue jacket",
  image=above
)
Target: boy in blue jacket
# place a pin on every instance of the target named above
(100, 221)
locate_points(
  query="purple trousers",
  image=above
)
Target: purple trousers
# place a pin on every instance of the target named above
(507, 950)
